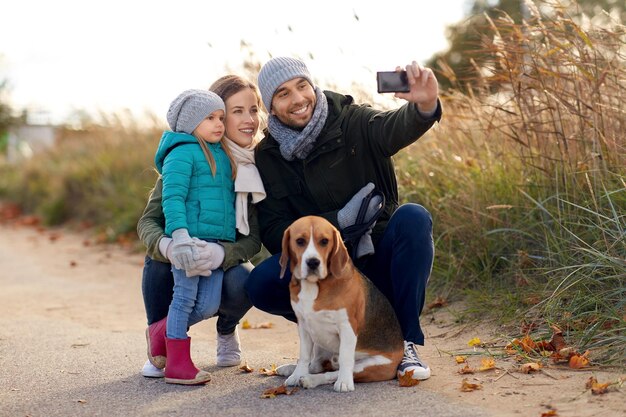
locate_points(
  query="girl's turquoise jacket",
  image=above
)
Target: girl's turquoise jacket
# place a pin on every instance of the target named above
(193, 198)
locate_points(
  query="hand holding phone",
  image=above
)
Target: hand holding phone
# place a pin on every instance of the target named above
(392, 82)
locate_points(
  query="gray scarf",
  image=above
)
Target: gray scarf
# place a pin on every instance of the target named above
(296, 143)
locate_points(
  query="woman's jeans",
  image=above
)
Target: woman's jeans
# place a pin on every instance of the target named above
(158, 284)
(399, 268)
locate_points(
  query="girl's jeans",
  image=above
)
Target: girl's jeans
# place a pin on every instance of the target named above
(157, 288)
(400, 269)
(195, 299)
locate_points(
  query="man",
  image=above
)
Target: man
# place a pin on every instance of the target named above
(322, 154)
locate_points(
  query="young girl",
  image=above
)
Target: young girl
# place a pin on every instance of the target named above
(198, 200)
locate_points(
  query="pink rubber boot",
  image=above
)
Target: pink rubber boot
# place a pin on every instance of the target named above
(155, 336)
(180, 368)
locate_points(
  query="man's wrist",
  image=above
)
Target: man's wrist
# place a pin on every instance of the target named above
(427, 109)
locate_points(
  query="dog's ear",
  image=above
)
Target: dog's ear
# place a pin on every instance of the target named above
(339, 255)
(284, 256)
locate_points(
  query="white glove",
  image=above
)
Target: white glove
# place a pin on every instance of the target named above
(183, 249)
(210, 257)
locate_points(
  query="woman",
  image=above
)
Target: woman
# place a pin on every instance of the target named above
(243, 104)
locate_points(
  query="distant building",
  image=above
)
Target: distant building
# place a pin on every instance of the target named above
(26, 140)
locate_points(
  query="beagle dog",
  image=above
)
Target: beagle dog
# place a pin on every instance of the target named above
(346, 326)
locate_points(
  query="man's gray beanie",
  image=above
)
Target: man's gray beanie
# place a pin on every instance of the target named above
(277, 71)
(190, 108)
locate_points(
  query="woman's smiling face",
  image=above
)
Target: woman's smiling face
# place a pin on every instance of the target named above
(242, 117)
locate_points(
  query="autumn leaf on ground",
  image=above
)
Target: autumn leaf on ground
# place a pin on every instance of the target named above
(549, 413)
(407, 380)
(544, 346)
(437, 303)
(557, 340)
(466, 370)
(269, 372)
(469, 387)
(579, 361)
(245, 325)
(460, 359)
(279, 390)
(528, 368)
(597, 388)
(246, 368)
(474, 342)
(487, 364)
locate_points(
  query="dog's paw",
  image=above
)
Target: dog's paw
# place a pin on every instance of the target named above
(293, 380)
(286, 370)
(307, 382)
(344, 385)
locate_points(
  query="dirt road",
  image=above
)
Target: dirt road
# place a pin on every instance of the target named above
(72, 343)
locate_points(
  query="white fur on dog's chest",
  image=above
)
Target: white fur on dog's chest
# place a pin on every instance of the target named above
(322, 325)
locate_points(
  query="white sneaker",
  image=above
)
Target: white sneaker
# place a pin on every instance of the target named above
(151, 371)
(228, 349)
(412, 362)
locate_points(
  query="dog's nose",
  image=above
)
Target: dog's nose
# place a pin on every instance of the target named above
(312, 263)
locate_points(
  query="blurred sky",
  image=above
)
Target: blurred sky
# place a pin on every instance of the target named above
(64, 55)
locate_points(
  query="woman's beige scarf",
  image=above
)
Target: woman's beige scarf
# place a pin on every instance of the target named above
(247, 181)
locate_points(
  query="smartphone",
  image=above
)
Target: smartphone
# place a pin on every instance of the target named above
(392, 82)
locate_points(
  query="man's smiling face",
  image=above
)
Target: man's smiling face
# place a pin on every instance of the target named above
(293, 103)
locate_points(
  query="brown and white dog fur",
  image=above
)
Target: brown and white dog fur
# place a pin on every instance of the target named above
(347, 327)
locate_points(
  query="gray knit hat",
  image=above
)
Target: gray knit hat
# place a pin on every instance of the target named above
(277, 71)
(190, 108)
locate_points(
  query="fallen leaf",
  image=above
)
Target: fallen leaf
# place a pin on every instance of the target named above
(407, 380)
(29, 221)
(549, 413)
(474, 342)
(466, 370)
(265, 325)
(460, 359)
(246, 368)
(437, 303)
(543, 346)
(579, 361)
(557, 340)
(528, 344)
(269, 372)
(597, 388)
(528, 368)
(487, 364)
(279, 390)
(469, 387)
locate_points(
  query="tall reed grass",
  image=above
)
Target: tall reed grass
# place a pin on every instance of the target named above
(526, 179)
